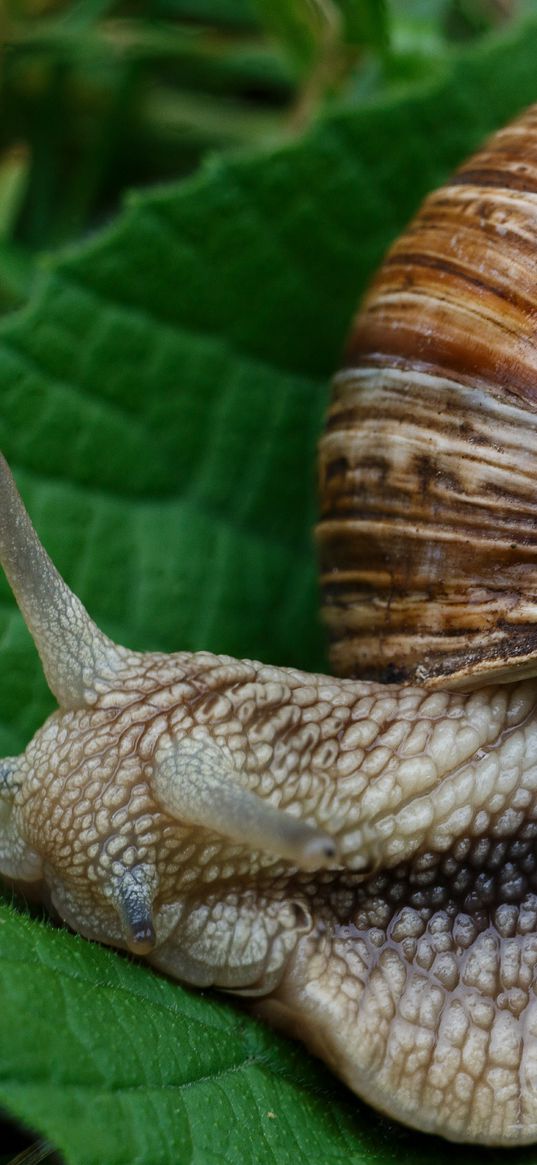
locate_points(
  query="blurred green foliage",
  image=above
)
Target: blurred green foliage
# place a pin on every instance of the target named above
(97, 96)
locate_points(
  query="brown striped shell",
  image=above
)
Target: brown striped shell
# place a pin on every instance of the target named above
(428, 532)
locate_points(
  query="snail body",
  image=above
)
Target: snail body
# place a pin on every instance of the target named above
(357, 857)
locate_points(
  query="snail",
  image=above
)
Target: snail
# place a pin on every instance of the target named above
(355, 856)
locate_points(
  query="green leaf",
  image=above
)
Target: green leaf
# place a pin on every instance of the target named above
(162, 396)
(366, 21)
(137, 1064)
(232, 12)
(302, 26)
(313, 30)
(13, 178)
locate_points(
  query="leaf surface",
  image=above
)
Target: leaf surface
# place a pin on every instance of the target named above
(143, 1071)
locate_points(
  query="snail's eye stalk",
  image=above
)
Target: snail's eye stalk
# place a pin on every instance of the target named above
(74, 653)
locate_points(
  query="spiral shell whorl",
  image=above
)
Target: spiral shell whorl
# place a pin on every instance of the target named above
(428, 530)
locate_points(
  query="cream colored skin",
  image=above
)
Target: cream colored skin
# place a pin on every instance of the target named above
(359, 857)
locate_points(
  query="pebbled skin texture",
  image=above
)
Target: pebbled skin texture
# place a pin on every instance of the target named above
(408, 963)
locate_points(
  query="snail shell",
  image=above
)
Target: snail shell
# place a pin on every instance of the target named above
(428, 532)
(360, 858)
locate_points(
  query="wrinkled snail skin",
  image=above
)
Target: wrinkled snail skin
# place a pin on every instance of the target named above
(428, 534)
(359, 858)
(362, 855)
